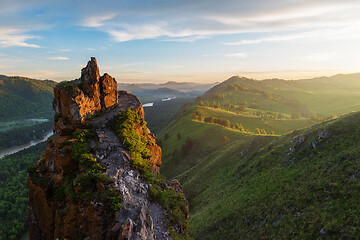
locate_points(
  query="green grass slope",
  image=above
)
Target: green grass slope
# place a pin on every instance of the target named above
(178, 156)
(25, 98)
(309, 96)
(303, 185)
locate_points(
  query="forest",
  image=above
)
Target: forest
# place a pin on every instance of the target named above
(14, 191)
(23, 135)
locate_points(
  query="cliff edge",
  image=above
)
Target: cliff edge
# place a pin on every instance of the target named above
(99, 176)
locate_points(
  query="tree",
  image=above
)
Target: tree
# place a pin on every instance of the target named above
(263, 131)
(197, 116)
(201, 103)
(179, 136)
(186, 148)
(240, 127)
(225, 140)
(257, 131)
(209, 119)
(226, 123)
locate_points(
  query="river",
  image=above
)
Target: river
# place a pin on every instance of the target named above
(24, 146)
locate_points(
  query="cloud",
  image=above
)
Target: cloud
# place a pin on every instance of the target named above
(318, 57)
(97, 21)
(351, 31)
(186, 39)
(14, 37)
(186, 21)
(58, 58)
(236, 55)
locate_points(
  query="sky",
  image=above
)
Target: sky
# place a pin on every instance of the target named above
(180, 40)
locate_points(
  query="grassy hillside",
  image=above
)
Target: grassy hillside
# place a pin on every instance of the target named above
(303, 185)
(297, 178)
(25, 98)
(185, 140)
(311, 96)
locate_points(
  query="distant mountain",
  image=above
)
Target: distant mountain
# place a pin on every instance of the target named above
(179, 86)
(336, 83)
(25, 98)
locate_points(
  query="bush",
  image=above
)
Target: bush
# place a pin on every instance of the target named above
(186, 148)
(135, 143)
(209, 119)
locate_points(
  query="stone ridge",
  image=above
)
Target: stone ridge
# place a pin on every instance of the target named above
(76, 100)
(91, 102)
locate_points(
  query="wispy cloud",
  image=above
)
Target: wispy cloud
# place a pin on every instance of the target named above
(318, 57)
(97, 21)
(58, 58)
(186, 39)
(324, 34)
(14, 37)
(187, 21)
(236, 55)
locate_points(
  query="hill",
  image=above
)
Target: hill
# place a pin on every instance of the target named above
(264, 159)
(303, 185)
(25, 98)
(178, 86)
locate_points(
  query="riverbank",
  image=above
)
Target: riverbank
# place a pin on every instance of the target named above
(18, 148)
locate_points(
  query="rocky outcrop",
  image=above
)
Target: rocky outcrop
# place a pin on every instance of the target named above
(84, 186)
(76, 100)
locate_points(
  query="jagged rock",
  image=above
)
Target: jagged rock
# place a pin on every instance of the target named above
(108, 96)
(324, 134)
(53, 212)
(76, 100)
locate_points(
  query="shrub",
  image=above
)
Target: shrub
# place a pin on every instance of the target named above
(124, 126)
(186, 148)
(209, 119)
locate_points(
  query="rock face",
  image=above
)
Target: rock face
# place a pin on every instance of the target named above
(76, 100)
(69, 197)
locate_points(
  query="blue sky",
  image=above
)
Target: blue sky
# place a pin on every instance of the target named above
(180, 40)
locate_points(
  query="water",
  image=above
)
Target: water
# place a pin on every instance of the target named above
(18, 148)
(8, 125)
(168, 99)
(148, 104)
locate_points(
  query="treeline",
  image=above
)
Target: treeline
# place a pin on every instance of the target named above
(23, 135)
(198, 116)
(241, 106)
(14, 201)
(220, 121)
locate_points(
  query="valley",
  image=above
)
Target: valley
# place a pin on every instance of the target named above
(268, 159)
(256, 159)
